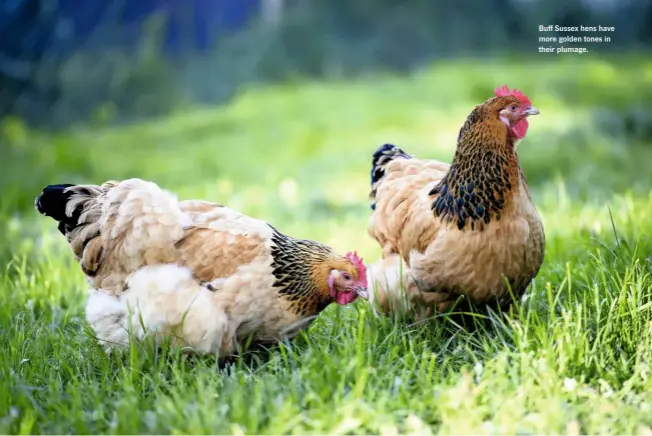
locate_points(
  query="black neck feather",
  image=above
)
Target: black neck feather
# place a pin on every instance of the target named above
(293, 267)
(475, 189)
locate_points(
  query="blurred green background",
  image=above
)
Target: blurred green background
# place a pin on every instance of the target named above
(303, 91)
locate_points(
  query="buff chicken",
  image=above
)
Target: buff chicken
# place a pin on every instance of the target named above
(200, 274)
(462, 232)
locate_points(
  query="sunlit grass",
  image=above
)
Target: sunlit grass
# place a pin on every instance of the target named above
(575, 360)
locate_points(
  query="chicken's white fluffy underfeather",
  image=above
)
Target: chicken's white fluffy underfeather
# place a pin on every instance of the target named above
(160, 297)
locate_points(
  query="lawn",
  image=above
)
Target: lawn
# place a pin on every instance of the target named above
(578, 360)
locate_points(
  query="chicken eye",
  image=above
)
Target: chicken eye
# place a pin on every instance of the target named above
(512, 107)
(346, 276)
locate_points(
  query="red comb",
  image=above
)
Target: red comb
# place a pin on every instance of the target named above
(504, 91)
(359, 264)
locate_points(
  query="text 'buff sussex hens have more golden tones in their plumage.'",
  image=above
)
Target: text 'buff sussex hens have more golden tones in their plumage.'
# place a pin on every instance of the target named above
(202, 274)
(468, 230)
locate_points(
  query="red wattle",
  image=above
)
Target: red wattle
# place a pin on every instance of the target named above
(520, 128)
(344, 298)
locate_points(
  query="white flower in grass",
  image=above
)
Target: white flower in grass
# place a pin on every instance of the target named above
(478, 369)
(570, 384)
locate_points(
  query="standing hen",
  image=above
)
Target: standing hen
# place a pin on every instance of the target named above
(468, 229)
(203, 274)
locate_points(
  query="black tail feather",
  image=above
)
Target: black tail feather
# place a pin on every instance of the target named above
(379, 161)
(52, 202)
(382, 157)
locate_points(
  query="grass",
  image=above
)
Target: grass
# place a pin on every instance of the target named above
(578, 360)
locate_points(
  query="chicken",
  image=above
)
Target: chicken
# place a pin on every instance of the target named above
(467, 231)
(198, 273)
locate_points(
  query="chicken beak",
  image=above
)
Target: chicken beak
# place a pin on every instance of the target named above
(362, 293)
(531, 111)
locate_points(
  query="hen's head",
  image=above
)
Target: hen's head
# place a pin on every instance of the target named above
(512, 107)
(348, 280)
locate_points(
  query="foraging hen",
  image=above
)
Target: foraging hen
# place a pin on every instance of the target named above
(468, 229)
(198, 272)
